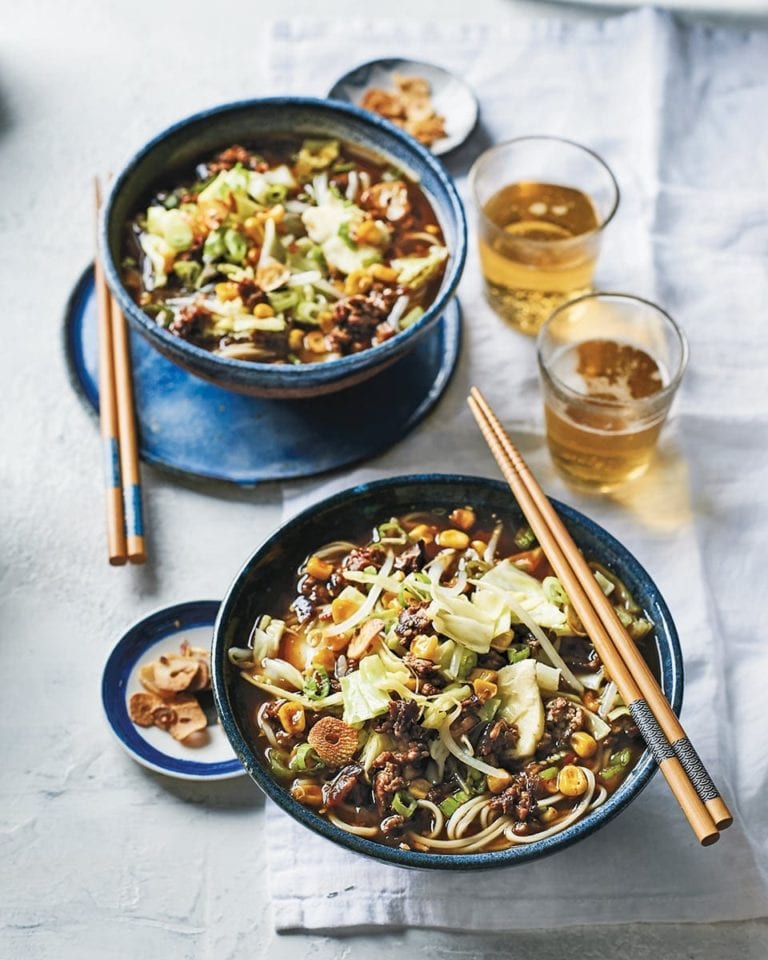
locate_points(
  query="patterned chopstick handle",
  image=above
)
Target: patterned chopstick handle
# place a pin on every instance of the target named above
(650, 730)
(697, 774)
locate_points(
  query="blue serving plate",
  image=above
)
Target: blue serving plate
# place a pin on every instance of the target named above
(193, 427)
(259, 585)
(159, 633)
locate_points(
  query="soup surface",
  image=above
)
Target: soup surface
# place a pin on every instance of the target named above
(288, 251)
(428, 686)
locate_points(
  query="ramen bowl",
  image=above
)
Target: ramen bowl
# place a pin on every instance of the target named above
(268, 574)
(184, 144)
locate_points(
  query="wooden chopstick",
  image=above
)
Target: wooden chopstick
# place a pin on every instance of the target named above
(116, 545)
(129, 450)
(641, 672)
(566, 559)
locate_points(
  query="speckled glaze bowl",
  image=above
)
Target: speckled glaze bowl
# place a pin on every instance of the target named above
(179, 147)
(270, 570)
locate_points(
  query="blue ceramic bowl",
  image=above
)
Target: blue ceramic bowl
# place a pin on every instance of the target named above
(181, 146)
(269, 572)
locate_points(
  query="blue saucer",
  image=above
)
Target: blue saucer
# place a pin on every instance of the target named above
(193, 427)
(162, 633)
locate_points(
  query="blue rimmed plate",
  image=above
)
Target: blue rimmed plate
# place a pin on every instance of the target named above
(192, 427)
(451, 96)
(162, 633)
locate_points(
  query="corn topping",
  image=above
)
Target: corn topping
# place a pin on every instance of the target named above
(342, 608)
(319, 569)
(463, 517)
(263, 310)
(425, 648)
(584, 744)
(455, 539)
(484, 689)
(572, 781)
(291, 716)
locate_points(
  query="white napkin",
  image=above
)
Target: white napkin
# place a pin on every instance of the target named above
(674, 112)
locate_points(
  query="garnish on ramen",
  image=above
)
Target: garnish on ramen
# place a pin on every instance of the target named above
(432, 688)
(287, 252)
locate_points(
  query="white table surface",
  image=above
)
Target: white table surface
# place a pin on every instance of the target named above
(81, 85)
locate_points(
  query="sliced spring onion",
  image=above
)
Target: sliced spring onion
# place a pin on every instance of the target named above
(524, 538)
(451, 804)
(317, 684)
(517, 652)
(304, 758)
(404, 804)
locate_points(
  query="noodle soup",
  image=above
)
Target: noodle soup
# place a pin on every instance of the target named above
(427, 685)
(287, 251)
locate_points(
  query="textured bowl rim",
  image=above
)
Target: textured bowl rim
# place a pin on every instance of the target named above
(291, 373)
(672, 682)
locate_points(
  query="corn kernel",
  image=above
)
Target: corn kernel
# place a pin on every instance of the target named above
(433, 229)
(342, 608)
(310, 794)
(263, 310)
(291, 716)
(484, 689)
(479, 546)
(319, 569)
(572, 781)
(276, 213)
(425, 648)
(254, 228)
(324, 657)
(463, 517)
(480, 674)
(590, 700)
(296, 339)
(358, 282)
(548, 814)
(325, 319)
(584, 744)
(455, 539)
(369, 232)
(315, 342)
(422, 532)
(253, 255)
(227, 290)
(386, 274)
(499, 784)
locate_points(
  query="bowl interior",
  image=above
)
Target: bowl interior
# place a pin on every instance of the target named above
(269, 573)
(175, 152)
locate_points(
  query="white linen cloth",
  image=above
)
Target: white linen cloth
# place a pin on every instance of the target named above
(676, 112)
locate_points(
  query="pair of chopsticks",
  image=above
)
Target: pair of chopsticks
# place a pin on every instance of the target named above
(686, 775)
(125, 525)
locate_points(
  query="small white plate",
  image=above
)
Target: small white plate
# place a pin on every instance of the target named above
(162, 633)
(452, 98)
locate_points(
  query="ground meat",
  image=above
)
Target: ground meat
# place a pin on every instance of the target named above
(229, 158)
(356, 319)
(386, 782)
(313, 589)
(303, 608)
(392, 825)
(412, 558)
(189, 321)
(342, 785)
(563, 718)
(430, 678)
(493, 660)
(468, 719)
(413, 621)
(579, 653)
(519, 798)
(498, 738)
(251, 294)
(362, 557)
(402, 721)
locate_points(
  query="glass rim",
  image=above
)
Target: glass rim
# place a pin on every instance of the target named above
(647, 403)
(498, 147)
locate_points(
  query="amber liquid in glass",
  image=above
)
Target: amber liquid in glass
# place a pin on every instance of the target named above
(600, 447)
(532, 258)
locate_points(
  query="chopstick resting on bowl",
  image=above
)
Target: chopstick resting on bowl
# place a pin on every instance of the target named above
(689, 781)
(125, 525)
